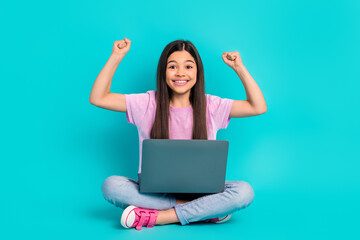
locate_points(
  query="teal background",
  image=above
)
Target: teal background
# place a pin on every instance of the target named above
(301, 156)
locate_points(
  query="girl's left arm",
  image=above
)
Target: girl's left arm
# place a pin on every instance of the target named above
(255, 103)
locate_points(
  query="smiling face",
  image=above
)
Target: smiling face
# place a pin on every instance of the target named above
(181, 72)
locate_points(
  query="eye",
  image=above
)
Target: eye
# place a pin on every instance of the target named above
(188, 67)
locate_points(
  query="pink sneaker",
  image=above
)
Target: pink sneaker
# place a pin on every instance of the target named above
(220, 219)
(137, 217)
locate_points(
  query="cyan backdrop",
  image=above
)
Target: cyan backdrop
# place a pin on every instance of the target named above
(301, 156)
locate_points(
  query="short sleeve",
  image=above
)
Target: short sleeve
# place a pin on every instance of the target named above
(220, 110)
(136, 107)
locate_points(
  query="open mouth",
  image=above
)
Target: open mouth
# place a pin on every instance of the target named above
(180, 83)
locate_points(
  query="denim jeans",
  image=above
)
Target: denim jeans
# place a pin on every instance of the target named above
(122, 192)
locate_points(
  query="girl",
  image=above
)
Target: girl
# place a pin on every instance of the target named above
(179, 109)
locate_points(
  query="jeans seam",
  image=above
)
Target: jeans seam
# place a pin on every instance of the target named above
(180, 215)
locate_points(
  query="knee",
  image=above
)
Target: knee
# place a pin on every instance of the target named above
(244, 194)
(111, 185)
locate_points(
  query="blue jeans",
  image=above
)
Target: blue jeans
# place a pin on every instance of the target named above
(122, 192)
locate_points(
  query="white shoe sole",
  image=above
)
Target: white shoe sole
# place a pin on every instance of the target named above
(124, 216)
(225, 219)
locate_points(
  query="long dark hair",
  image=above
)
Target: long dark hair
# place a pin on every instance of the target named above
(160, 129)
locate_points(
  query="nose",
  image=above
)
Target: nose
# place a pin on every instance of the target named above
(180, 72)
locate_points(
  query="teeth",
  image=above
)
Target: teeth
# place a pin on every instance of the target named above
(181, 81)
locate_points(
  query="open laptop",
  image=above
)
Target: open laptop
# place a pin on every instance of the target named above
(183, 166)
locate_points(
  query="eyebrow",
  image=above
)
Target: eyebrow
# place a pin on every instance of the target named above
(184, 61)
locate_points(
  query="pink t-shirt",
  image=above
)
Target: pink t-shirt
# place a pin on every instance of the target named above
(141, 109)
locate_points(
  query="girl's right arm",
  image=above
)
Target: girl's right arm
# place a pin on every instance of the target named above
(100, 93)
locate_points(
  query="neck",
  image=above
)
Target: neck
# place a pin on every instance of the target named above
(180, 100)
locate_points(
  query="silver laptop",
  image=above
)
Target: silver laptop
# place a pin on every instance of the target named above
(183, 166)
